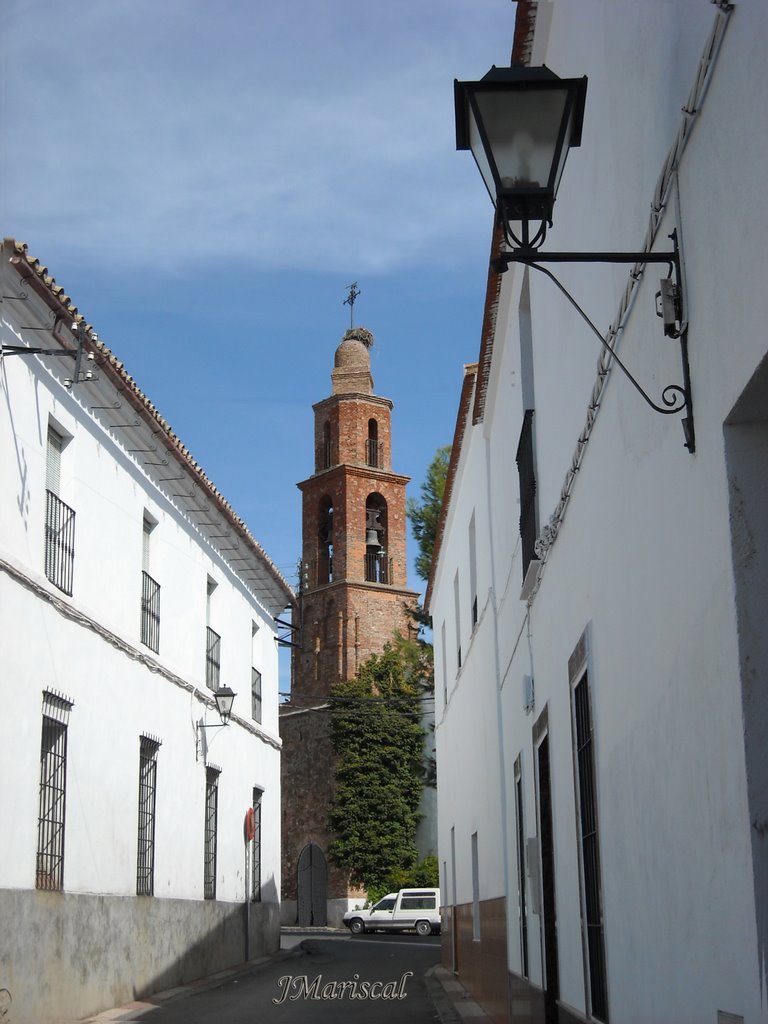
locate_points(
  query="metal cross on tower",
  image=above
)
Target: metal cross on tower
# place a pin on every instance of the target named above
(354, 291)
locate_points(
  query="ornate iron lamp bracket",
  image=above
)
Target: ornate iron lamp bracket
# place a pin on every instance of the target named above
(674, 397)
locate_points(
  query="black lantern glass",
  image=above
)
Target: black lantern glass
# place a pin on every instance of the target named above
(224, 698)
(519, 123)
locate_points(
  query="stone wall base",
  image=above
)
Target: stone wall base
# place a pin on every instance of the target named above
(64, 956)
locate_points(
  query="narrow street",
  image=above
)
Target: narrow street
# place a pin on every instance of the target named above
(333, 978)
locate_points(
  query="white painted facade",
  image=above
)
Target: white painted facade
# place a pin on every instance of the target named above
(101, 942)
(654, 559)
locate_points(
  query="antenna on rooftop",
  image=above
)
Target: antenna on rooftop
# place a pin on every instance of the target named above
(354, 291)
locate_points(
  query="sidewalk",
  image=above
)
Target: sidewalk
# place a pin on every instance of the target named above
(451, 999)
(446, 992)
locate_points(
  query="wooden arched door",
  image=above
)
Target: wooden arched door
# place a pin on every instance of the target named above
(312, 887)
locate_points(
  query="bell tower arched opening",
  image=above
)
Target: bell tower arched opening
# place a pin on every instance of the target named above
(372, 444)
(325, 542)
(376, 539)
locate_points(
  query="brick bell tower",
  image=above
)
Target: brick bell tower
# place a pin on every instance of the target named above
(353, 599)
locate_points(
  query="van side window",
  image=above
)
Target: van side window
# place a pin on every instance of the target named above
(418, 903)
(385, 905)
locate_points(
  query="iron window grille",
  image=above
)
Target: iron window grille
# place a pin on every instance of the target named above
(256, 847)
(59, 542)
(519, 827)
(255, 695)
(211, 813)
(377, 568)
(49, 873)
(373, 453)
(592, 908)
(150, 612)
(212, 658)
(145, 860)
(527, 477)
(326, 451)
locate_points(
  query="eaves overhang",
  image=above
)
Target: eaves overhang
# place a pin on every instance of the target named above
(272, 585)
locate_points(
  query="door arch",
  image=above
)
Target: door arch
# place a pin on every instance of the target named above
(312, 887)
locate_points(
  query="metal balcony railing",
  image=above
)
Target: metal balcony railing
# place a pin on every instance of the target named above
(150, 612)
(374, 453)
(59, 542)
(212, 659)
(377, 568)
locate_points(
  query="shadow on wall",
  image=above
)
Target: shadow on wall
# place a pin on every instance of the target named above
(69, 955)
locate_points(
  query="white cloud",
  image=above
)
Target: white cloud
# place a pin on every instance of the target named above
(299, 134)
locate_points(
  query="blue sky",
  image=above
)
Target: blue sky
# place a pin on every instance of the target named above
(205, 179)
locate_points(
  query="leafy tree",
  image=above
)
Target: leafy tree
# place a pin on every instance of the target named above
(425, 514)
(378, 739)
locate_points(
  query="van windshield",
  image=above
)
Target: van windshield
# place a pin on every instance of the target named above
(384, 904)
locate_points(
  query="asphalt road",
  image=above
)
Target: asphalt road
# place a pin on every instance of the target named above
(329, 980)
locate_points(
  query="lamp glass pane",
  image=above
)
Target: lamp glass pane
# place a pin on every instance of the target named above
(481, 158)
(523, 130)
(224, 698)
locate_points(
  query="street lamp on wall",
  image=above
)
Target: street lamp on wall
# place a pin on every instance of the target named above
(224, 698)
(519, 123)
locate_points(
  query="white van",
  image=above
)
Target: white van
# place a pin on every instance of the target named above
(417, 909)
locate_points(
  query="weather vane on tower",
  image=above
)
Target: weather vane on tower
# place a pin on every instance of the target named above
(354, 291)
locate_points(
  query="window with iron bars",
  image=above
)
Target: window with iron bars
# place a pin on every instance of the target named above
(256, 847)
(520, 836)
(212, 658)
(372, 444)
(592, 902)
(326, 455)
(145, 859)
(59, 518)
(255, 694)
(59, 542)
(527, 476)
(49, 873)
(150, 612)
(211, 813)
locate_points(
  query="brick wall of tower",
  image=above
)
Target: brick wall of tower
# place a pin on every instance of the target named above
(344, 618)
(307, 799)
(348, 417)
(348, 488)
(342, 626)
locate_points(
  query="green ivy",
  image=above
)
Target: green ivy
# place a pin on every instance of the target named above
(378, 739)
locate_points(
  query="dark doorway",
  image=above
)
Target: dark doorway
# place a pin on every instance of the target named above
(552, 990)
(312, 887)
(746, 455)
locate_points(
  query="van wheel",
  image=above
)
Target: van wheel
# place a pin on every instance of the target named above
(423, 928)
(356, 926)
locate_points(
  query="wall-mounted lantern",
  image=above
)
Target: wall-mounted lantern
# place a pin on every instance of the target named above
(224, 698)
(519, 123)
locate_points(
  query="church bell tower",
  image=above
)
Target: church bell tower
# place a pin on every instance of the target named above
(353, 599)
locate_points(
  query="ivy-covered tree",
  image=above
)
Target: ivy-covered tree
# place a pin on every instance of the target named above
(378, 738)
(424, 514)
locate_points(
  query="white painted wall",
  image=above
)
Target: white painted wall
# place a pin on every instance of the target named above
(643, 556)
(87, 647)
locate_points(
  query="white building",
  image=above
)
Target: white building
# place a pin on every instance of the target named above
(130, 591)
(600, 683)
